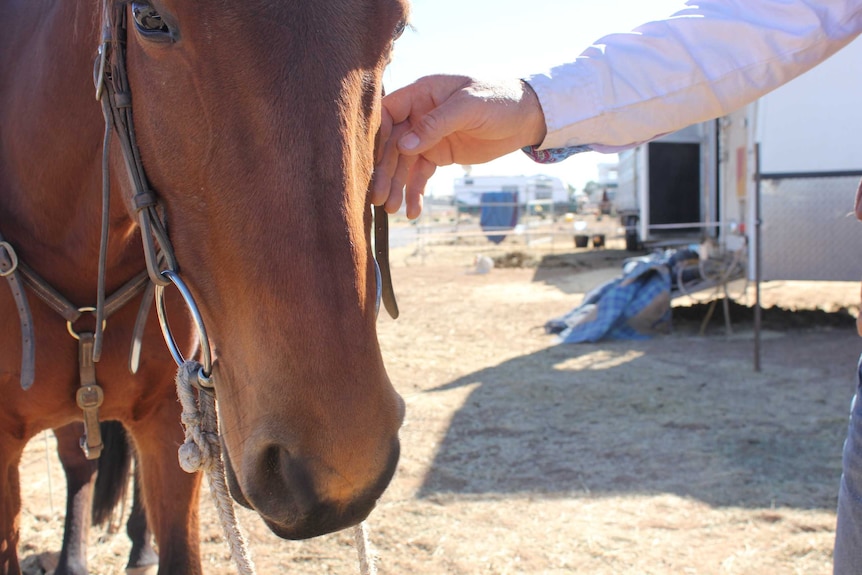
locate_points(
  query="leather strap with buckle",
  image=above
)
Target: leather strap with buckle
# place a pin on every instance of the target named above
(9, 270)
(89, 397)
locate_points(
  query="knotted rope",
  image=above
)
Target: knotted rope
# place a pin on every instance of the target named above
(201, 450)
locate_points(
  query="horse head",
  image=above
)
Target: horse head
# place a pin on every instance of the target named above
(256, 122)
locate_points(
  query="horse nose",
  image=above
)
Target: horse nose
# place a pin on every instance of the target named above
(300, 498)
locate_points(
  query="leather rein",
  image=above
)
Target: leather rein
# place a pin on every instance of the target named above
(114, 94)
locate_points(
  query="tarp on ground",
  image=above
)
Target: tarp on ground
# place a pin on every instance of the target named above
(635, 305)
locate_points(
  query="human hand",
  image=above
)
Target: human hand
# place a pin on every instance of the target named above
(443, 120)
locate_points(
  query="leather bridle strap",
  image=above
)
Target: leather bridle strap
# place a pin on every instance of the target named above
(90, 395)
(381, 254)
(10, 269)
(113, 91)
(89, 398)
(19, 275)
(69, 311)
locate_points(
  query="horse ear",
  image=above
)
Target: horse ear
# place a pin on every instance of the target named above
(859, 201)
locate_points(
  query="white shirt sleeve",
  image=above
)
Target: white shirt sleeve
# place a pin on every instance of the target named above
(705, 61)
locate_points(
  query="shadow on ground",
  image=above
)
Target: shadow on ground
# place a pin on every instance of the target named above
(678, 414)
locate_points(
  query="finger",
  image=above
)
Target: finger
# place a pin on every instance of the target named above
(396, 187)
(414, 209)
(387, 164)
(417, 181)
(411, 100)
(422, 95)
(428, 130)
(380, 178)
(399, 105)
(434, 107)
(393, 202)
(380, 185)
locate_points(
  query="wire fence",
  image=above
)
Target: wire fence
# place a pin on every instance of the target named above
(537, 230)
(809, 230)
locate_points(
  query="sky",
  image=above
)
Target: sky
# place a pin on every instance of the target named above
(491, 39)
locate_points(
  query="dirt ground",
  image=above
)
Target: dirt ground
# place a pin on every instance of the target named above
(663, 456)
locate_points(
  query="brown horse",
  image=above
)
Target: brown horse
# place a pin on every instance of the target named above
(251, 143)
(94, 488)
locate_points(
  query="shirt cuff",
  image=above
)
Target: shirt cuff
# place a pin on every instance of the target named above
(553, 155)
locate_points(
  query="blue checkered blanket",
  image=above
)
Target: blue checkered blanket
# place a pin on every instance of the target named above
(632, 306)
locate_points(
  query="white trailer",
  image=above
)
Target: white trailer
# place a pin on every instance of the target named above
(667, 188)
(808, 134)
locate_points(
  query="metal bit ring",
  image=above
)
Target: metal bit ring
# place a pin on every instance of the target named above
(206, 356)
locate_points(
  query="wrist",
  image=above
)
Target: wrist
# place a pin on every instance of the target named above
(535, 128)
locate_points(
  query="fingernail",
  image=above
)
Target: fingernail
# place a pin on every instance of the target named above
(409, 141)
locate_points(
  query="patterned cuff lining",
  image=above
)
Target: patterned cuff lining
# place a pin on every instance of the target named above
(554, 155)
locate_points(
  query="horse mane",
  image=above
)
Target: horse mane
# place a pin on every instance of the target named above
(88, 19)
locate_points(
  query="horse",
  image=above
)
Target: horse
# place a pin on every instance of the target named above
(225, 149)
(94, 489)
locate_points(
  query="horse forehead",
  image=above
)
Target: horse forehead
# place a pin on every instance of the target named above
(329, 35)
(321, 17)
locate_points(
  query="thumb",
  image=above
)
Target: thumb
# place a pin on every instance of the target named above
(430, 129)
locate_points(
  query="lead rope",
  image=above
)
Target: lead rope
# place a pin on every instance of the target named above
(367, 564)
(201, 450)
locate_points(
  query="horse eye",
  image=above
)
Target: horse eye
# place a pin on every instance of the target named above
(149, 22)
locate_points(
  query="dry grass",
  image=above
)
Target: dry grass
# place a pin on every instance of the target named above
(669, 455)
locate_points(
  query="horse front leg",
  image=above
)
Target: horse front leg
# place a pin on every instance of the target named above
(170, 494)
(80, 476)
(10, 504)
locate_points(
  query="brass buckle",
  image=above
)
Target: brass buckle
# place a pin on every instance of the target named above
(89, 396)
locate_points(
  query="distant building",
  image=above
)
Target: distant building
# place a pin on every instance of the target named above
(534, 193)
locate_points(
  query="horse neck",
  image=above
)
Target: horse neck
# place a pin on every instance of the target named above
(50, 208)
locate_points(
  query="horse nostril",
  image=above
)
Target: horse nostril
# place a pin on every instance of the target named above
(299, 498)
(284, 482)
(270, 460)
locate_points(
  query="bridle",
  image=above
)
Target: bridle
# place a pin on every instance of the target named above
(201, 449)
(114, 93)
(162, 269)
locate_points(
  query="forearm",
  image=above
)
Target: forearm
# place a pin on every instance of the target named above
(703, 62)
